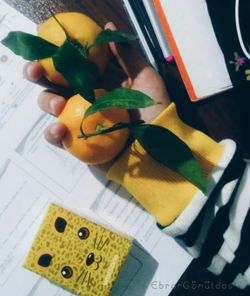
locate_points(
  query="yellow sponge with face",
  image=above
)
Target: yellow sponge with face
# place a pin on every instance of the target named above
(77, 254)
(161, 191)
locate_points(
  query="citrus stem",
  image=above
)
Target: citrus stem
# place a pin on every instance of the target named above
(84, 50)
(62, 27)
(115, 127)
(81, 129)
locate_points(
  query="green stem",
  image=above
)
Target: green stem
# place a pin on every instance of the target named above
(61, 26)
(117, 126)
(84, 50)
(81, 129)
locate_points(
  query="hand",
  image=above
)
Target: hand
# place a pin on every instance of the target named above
(135, 74)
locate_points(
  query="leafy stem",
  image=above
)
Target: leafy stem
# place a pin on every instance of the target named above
(115, 127)
(71, 60)
(84, 49)
(163, 146)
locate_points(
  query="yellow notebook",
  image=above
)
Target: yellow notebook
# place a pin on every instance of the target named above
(77, 254)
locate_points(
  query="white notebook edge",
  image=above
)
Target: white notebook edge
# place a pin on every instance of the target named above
(204, 61)
(157, 28)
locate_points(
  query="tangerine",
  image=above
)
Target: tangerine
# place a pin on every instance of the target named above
(81, 28)
(97, 149)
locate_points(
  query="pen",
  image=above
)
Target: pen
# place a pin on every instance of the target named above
(138, 30)
(147, 29)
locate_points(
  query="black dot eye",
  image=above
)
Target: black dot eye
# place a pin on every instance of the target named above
(90, 259)
(67, 272)
(44, 260)
(60, 224)
(83, 233)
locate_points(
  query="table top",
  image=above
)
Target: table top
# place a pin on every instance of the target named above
(226, 115)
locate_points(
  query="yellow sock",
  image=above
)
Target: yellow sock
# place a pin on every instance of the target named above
(161, 191)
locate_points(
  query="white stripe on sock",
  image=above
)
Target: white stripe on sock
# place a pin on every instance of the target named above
(238, 212)
(240, 282)
(247, 275)
(226, 253)
(237, 216)
(207, 221)
(232, 235)
(217, 265)
(222, 200)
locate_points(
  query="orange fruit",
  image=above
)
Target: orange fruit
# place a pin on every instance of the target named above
(79, 27)
(97, 149)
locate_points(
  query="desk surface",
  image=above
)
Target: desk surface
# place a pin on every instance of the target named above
(223, 116)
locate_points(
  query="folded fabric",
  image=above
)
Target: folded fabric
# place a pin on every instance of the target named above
(218, 236)
(213, 228)
(161, 191)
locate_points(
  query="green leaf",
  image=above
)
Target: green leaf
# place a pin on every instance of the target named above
(123, 98)
(108, 35)
(77, 70)
(166, 148)
(28, 46)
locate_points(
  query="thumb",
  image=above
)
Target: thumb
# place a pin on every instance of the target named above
(129, 58)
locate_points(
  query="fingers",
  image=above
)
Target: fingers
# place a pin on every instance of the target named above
(129, 58)
(55, 133)
(51, 103)
(33, 71)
